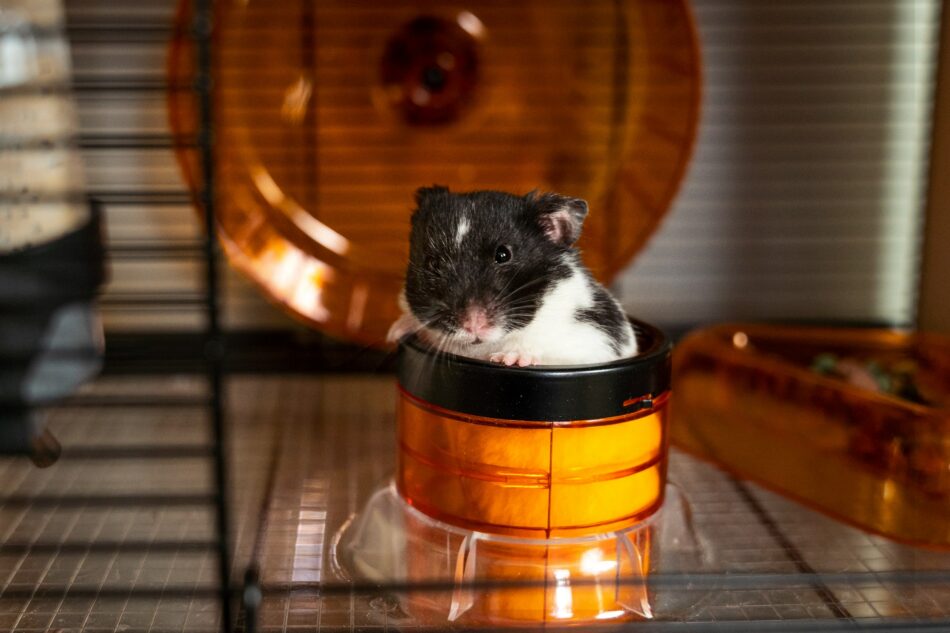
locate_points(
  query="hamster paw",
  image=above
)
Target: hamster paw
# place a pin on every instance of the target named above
(521, 359)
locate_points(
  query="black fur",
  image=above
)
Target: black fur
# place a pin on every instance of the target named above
(560, 215)
(606, 317)
(444, 278)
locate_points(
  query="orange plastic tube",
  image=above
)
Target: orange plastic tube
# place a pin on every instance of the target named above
(531, 479)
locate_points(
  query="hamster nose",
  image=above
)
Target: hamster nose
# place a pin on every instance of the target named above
(476, 322)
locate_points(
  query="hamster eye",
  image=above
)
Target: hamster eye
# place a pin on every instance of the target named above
(502, 254)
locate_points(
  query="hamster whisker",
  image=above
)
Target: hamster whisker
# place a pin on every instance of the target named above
(523, 286)
(520, 303)
(432, 358)
(524, 306)
(503, 289)
(441, 350)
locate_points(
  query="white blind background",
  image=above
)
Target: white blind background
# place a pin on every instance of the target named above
(803, 201)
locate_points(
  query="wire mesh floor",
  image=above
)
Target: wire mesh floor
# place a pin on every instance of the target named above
(331, 441)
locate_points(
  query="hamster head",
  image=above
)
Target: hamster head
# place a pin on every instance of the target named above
(481, 262)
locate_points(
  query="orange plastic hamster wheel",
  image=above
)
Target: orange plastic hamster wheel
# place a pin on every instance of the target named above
(328, 115)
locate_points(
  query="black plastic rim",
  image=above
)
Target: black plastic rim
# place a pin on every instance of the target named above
(544, 393)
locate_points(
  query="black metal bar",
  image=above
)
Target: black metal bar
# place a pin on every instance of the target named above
(257, 351)
(153, 300)
(107, 547)
(214, 340)
(156, 250)
(119, 34)
(146, 402)
(135, 141)
(131, 83)
(686, 582)
(106, 593)
(108, 501)
(142, 196)
(177, 451)
(101, 142)
(130, 31)
(132, 402)
(669, 580)
(110, 197)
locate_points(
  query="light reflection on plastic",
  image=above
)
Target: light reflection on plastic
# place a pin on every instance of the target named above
(421, 96)
(296, 100)
(314, 228)
(740, 340)
(311, 532)
(471, 24)
(593, 563)
(354, 319)
(563, 600)
(888, 490)
(287, 269)
(308, 295)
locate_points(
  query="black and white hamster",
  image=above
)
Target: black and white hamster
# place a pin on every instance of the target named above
(495, 276)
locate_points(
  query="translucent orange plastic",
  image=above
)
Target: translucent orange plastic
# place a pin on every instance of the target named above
(747, 399)
(531, 479)
(328, 115)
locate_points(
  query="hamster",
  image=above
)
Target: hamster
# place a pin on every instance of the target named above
(496, 277)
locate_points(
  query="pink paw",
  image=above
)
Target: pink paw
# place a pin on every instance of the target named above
(521, 359)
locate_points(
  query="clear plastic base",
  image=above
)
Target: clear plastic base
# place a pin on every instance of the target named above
(475, 578)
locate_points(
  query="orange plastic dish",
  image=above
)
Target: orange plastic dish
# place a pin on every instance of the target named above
(747, 398)
(534, 452)
(328, 115)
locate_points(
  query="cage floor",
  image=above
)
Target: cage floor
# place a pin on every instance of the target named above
(332, 437)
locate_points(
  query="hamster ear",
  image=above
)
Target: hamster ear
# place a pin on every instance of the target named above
(560, 217)
(427, 193)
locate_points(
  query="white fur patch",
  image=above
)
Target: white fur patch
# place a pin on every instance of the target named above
(462, 230)
(554, 336)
